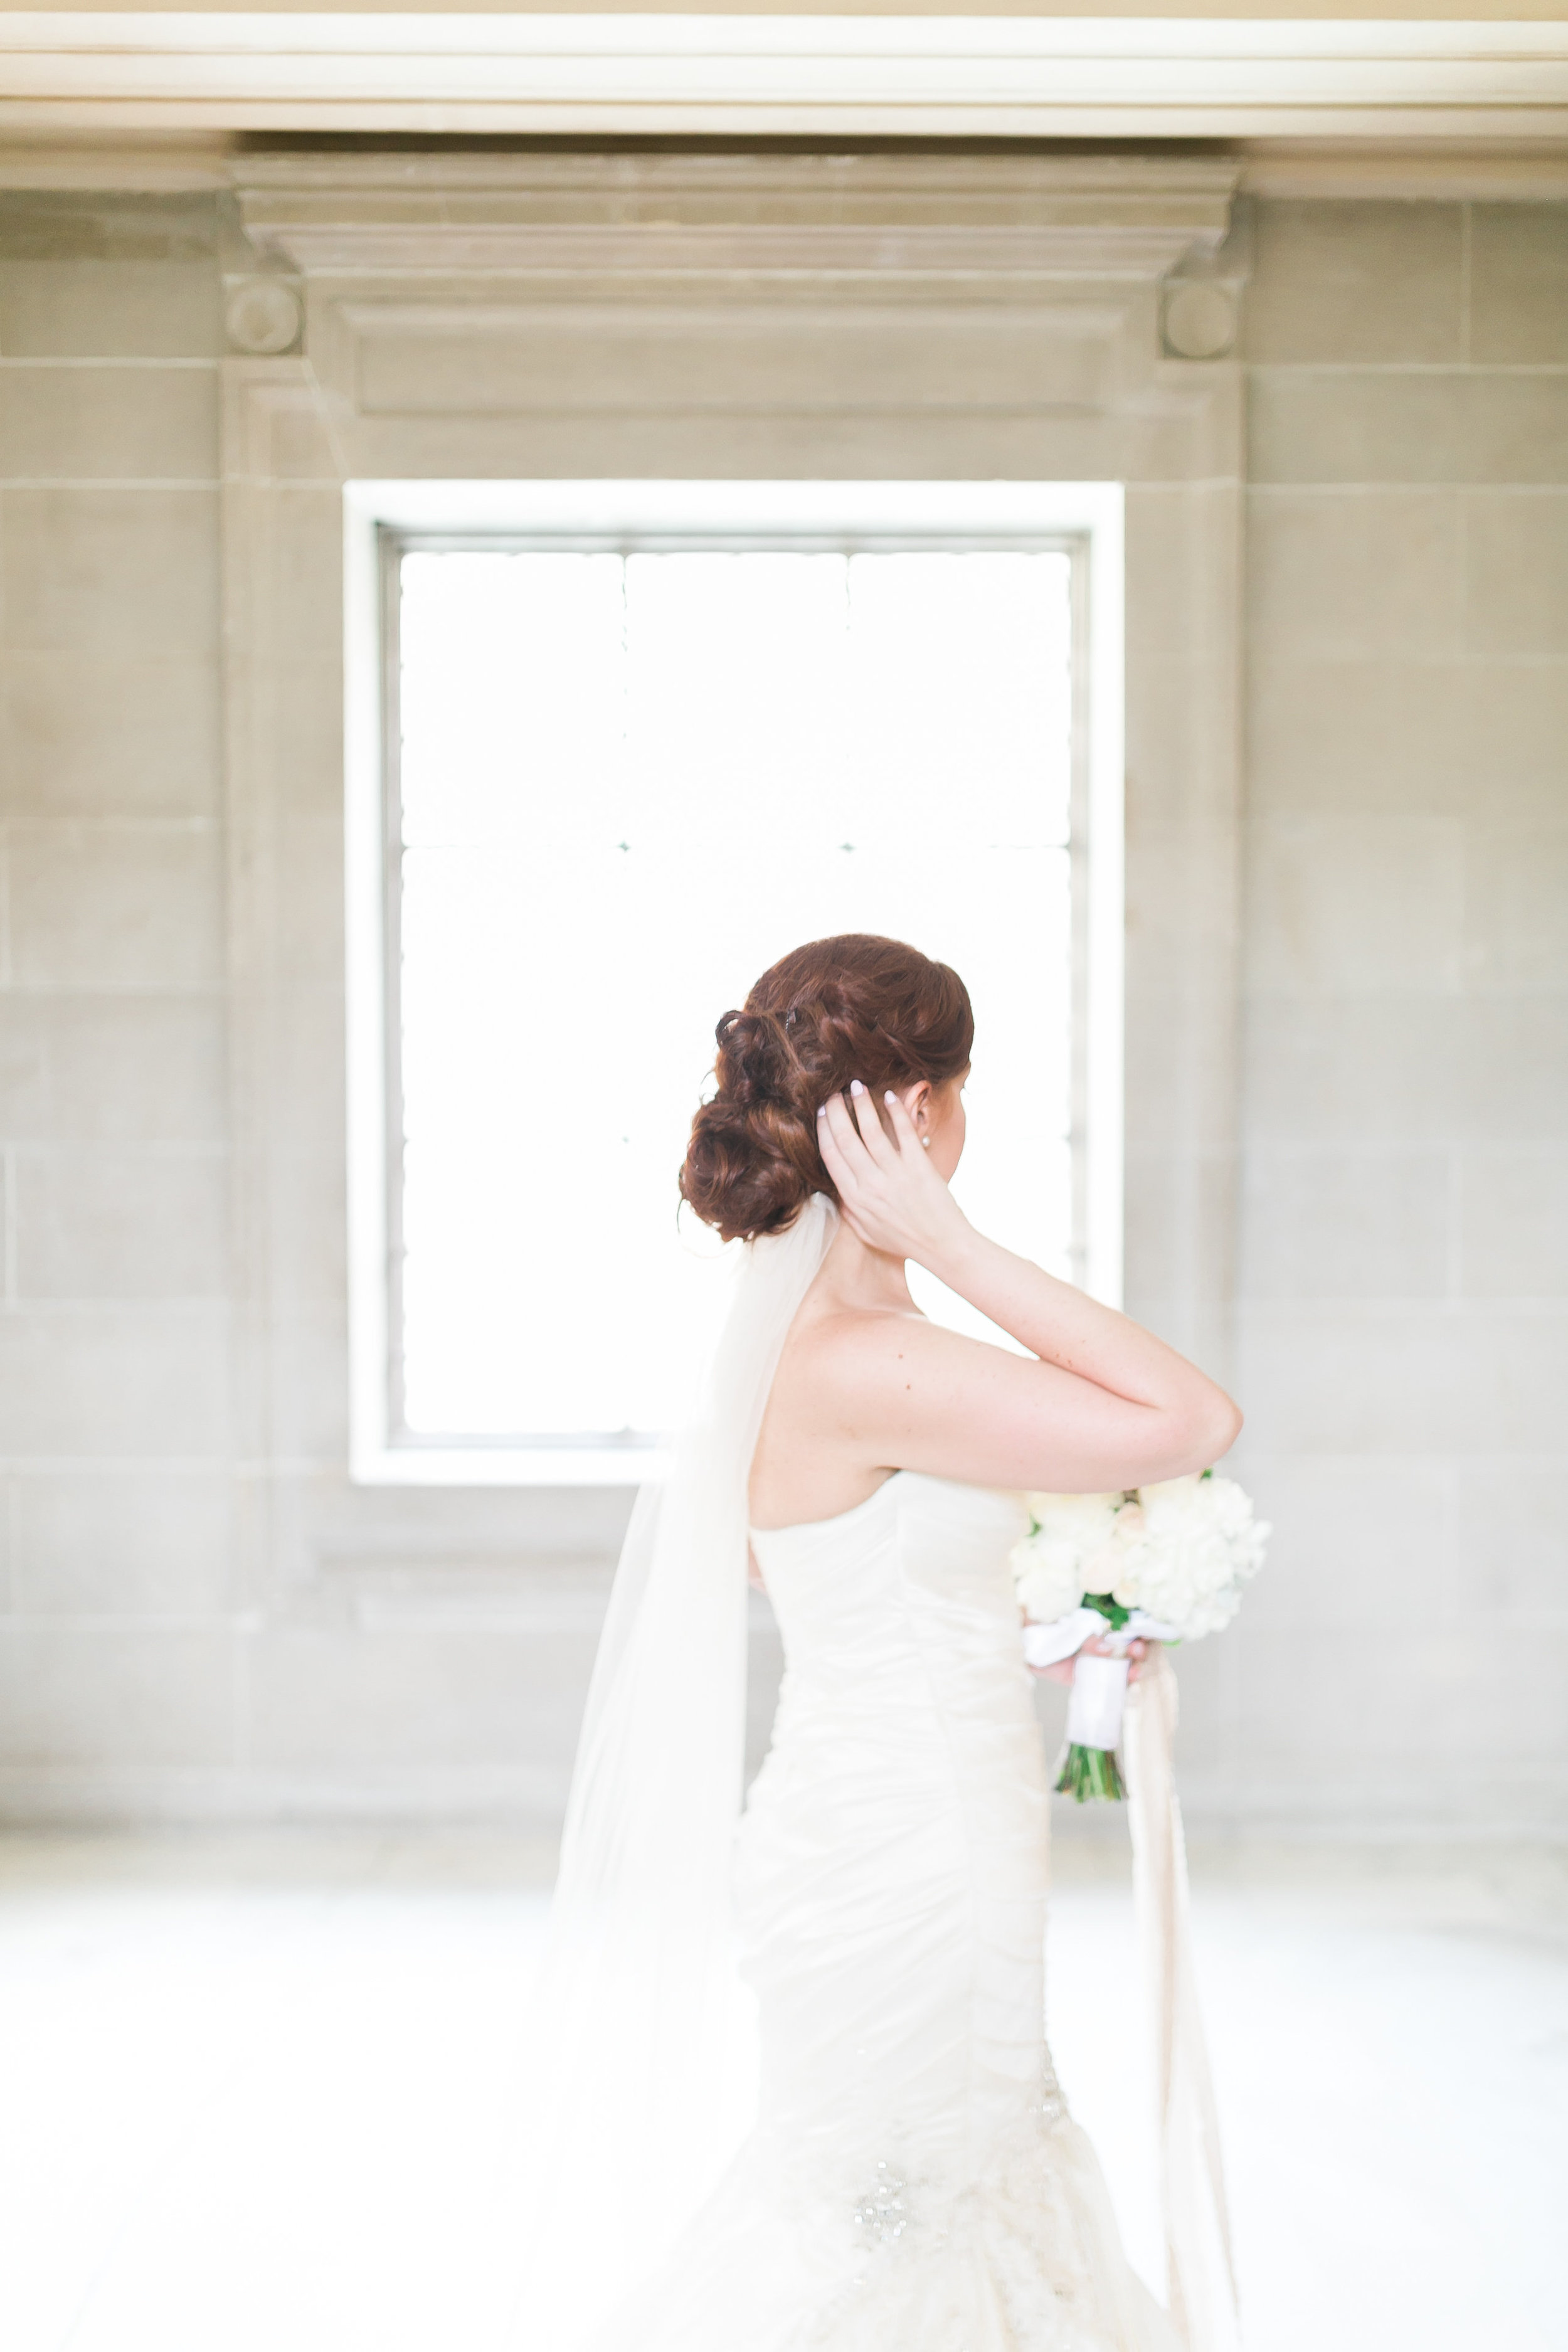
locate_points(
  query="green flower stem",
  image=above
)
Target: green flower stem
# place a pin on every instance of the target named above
(1089, 1774)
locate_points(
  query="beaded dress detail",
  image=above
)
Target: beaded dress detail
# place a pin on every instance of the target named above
(914, 2182)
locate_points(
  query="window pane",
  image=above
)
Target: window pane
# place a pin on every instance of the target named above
(628, 785)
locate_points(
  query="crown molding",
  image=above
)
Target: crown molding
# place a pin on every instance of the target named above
(1437, 174)
(487, 215)
(799, 75)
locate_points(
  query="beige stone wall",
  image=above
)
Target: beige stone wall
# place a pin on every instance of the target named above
(183, 1632)
(118, 1647)
(1404, 1243)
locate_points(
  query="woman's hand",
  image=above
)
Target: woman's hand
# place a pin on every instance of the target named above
(892, 1196)
(1096, 1648)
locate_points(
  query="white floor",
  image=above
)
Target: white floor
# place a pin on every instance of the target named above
(259, 2092)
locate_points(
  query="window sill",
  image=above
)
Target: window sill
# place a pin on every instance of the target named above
(497, 1465)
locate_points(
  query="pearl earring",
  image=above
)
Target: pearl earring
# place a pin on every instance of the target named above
(926, 1141)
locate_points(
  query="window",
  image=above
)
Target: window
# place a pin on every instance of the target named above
(625, 764)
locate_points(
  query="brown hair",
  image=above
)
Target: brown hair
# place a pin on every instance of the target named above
(852, 1007)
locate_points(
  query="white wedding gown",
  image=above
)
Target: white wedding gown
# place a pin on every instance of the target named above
(913, 2183)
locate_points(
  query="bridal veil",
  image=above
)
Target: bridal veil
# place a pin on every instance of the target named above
(640, 2091)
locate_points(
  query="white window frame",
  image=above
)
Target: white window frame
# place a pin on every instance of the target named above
(1086, 518)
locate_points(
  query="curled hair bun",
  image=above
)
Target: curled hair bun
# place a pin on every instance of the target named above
(851, 1007)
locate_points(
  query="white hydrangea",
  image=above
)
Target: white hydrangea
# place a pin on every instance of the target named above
(1072, 1551)
(1186, 1551)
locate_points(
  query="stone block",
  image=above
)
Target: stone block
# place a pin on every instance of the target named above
(308, 1034)
(300, 708)
(1406, 1069)
(1327, 1222)
(120, 423)
(1384, 737)
(1341, 904)
(1511, 1068)
(302, 617)
(1314, 1701)
(1347, 281)
(1431, 427)
(358, 1701)
(117, 906)
(1369, 1380)
(1362, 1547)
(99, 1383)
(84, 737)
(111, 276)
(1364, 738)
(1513, 1221)
(1512, 1540)
(1516, 736)
(307, 1225)
(1516, 906)
(82, 1069)
(737, 356)
(117, 1543)
(120, 1223)
(117, 1696)
(110, 309)
(1516, 576)
(307, 1364)
(325, 1528)
(1519, 284)
(122, 575)
(1354, 575)
(309, 941)
(1207, 1679)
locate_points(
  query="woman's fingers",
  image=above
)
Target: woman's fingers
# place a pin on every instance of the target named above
(873, 1134)
(843, 1152)
(840, 1134)
(906, 1136)
(830, 1143)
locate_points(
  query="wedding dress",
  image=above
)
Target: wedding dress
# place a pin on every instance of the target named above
(914, 2182)
(898, 2174)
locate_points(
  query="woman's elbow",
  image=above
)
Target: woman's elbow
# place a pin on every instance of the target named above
(1220, 1426)
(1204, 1435)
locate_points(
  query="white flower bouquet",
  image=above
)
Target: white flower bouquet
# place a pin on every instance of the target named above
(1161, 1563)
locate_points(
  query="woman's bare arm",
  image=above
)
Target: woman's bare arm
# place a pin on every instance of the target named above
(1104, 1403)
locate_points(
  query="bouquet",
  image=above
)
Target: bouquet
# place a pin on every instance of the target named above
(1161, 1563)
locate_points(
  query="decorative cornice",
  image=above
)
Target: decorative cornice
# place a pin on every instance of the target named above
(791, 74)
(487, 217)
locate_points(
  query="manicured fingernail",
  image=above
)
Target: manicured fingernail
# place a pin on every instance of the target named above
(890, 1097)
(822, 1111)
(855, 1088)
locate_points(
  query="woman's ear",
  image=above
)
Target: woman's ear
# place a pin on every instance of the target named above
(918, 1103)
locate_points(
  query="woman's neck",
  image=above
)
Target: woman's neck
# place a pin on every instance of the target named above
(856, 1275)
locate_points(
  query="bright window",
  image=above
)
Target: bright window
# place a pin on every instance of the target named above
(620, 781)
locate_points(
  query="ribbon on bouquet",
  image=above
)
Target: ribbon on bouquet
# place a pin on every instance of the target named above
(1200, 2265)
(1099, 1682)
(1103, 1711)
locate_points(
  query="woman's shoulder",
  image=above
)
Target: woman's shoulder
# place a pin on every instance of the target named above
(837, 1360)
(840, 1336)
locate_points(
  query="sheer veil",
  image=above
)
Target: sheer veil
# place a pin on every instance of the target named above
(640, 2093)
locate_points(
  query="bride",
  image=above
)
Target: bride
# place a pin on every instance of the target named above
(887, 2165)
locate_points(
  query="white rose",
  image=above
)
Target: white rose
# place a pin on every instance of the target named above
(1049, 1576)
(1197, 1545)
(1054, 1566)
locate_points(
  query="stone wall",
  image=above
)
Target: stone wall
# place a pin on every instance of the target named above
(118, 1650)
(1403, 1245)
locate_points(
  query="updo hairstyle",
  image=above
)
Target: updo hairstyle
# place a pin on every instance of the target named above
(852, 1007)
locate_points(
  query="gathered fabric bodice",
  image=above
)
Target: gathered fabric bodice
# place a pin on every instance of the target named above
(913, 2182)
(905, 1757)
